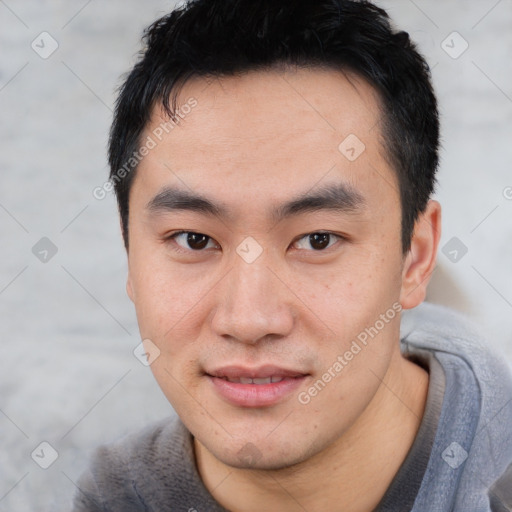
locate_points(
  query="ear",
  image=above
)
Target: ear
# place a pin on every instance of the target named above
(421, 258)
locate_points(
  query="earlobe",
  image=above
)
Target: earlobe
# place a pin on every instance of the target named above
(421, 258)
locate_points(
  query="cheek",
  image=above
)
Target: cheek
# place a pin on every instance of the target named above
(172, 308)
(351, 297)
(177, 377)
(350, 373)
(166, 300)
(355, 306)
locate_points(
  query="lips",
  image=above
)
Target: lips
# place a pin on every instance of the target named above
(258, 381)
(261, 372)
(255, 387)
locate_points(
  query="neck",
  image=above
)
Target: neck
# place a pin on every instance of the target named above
(355, 470)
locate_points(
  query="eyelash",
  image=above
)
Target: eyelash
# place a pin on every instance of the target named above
(172, 237)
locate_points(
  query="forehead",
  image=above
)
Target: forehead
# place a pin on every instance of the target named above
(277, 131)
(259, 104)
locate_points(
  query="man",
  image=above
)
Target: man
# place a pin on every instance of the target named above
(273, 164)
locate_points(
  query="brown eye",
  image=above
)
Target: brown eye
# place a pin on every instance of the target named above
(190, 240)
(197, 241)
(317, 241)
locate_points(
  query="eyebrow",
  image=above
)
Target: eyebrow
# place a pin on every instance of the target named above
(339, 197)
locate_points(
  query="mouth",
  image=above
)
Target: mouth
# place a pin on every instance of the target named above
(258, 381)
(255, 387)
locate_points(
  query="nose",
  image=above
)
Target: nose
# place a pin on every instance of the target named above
(253, 303)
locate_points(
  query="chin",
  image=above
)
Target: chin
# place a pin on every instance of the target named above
(264, 454)
(253, 458)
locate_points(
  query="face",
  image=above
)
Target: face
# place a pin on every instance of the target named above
(264, 238)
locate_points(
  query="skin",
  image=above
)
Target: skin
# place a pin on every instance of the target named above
(252, 143)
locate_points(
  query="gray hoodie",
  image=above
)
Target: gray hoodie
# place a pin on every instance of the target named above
(461, 460)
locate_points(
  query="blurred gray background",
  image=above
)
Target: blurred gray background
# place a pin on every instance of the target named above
(69, 377)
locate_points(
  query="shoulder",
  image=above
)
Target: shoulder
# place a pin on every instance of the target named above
(121, 472)
(444, 331)
(477, 403)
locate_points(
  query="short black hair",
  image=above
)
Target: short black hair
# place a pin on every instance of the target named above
(214, 38)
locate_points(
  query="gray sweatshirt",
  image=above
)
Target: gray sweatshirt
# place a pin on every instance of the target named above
(460, 461)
